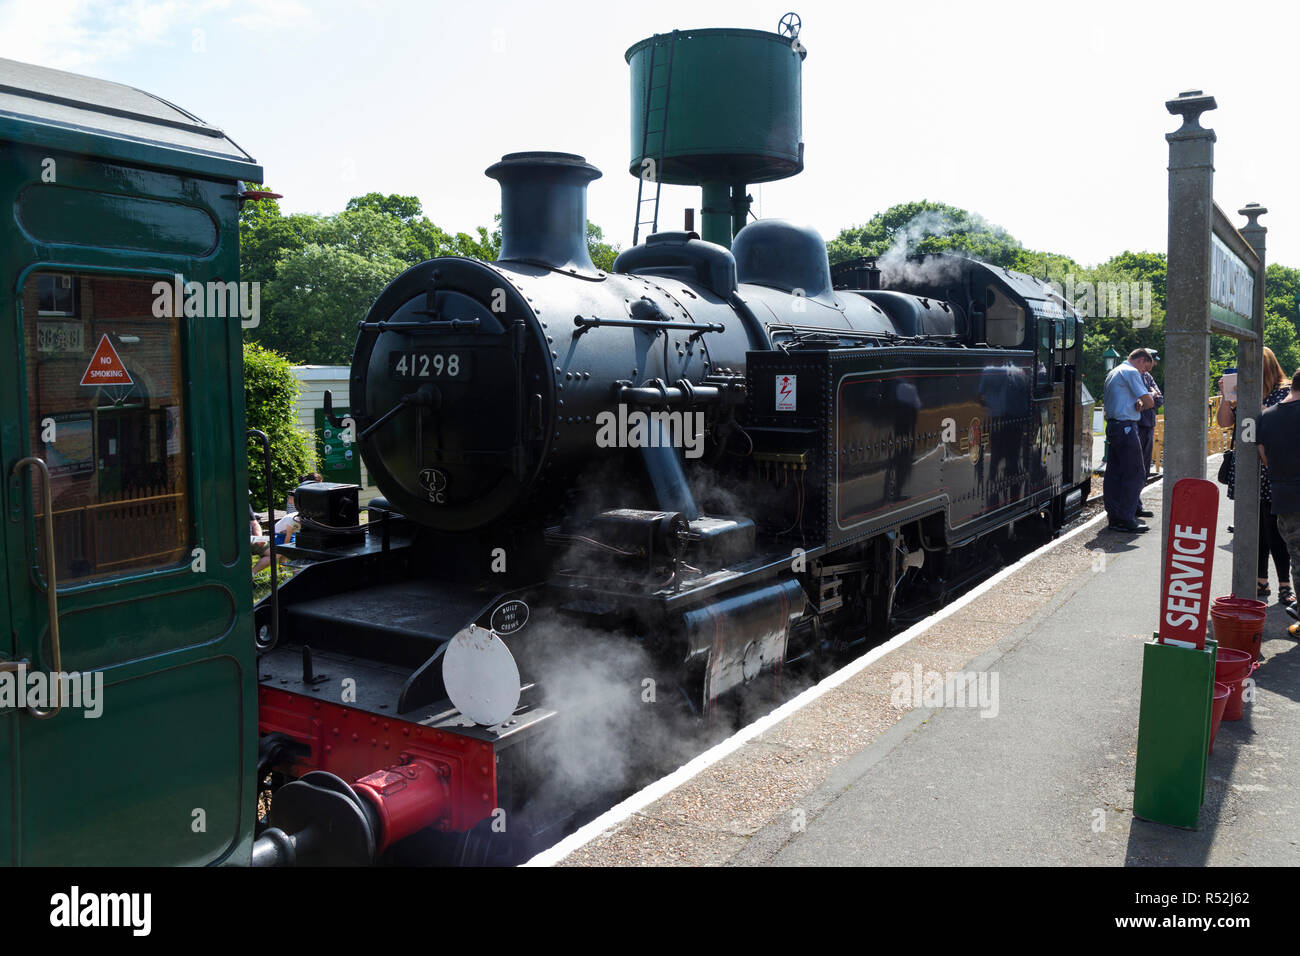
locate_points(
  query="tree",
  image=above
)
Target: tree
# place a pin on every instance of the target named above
(920, 227)
(602, 253)
(405, 208)
(320, 293)
(1122, 304)
(1280, 336)
(271, 405)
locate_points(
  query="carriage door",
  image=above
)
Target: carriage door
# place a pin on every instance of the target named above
(125, 735)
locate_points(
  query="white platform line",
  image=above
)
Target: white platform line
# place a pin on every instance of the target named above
(665, 785)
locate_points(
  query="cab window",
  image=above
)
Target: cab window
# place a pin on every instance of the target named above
(1004, 320)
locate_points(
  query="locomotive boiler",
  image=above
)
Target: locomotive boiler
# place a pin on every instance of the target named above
(729, 460)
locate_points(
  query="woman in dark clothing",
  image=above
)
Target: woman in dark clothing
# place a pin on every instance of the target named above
(1276, 388)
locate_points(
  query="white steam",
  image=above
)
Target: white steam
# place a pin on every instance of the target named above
(896, 264)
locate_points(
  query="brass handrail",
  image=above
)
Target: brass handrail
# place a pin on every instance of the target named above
(51, 592)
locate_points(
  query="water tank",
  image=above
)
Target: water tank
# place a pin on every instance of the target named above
(734, 106)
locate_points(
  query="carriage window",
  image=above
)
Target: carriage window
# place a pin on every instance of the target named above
(1004, 321)
(1069, 332)
(56, 295)
(104, 395)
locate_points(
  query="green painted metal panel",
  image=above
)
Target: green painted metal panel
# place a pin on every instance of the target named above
(734, 106)
(91, 217)
(1173, 733)
(123, 788)
(105, 635)
(337, 461)
(179, 726)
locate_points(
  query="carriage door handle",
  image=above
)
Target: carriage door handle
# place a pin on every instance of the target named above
(51, 588)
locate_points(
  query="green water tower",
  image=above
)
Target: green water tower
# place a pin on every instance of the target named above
(719, 109)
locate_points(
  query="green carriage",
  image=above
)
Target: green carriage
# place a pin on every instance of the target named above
(123, 454)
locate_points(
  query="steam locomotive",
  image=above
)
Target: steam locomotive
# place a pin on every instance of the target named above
(721, 462)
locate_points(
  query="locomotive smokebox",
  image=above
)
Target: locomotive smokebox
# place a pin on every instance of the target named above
(544, 209)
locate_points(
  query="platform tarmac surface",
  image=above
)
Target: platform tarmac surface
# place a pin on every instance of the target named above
(857, 779)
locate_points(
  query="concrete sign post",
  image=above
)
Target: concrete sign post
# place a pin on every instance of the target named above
(1216, 284)
(1250, 403)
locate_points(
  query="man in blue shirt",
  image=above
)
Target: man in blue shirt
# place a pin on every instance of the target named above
(1147, 423)
(1125, 398)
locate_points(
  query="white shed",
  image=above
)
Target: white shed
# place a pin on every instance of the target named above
(313, 381)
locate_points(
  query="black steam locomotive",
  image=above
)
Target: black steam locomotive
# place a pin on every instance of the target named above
(722, 461)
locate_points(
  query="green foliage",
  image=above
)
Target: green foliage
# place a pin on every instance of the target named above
(1280, 336)
(602, 253)
(405, 208)
(1145, 267)
(320, 274)
(320, 293)
(1134, 282)
(921, 227)
(270, 402)
(256, 210)
(1123, 299)
(1045, 265)
(262, 579)
(1281, 296)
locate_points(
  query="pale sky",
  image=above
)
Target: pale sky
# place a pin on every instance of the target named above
(1046, 119)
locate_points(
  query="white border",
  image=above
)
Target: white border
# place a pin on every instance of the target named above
(665, 785)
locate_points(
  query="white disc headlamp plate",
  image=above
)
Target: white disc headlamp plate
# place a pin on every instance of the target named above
(481, 676)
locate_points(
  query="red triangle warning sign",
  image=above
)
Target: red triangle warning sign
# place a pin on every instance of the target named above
(106, 367)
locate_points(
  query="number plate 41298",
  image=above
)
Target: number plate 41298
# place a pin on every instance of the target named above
(423, 365)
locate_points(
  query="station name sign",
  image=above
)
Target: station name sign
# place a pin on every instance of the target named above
(1232, 287)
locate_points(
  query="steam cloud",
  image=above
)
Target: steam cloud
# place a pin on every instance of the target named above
(607, 737)
(897, 264)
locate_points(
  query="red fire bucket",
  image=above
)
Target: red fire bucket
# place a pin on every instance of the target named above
(1221, 692)
(1232, 668)
(1238, 625)
(1233, 601)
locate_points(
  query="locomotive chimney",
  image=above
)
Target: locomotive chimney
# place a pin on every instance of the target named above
(544, 208)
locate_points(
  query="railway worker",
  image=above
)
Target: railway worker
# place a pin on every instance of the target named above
(1125, 398)
(1279, 448)
(1147, 421)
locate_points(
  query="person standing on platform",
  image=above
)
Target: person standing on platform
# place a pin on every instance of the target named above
(1147, 421)
(1125, 398)
(1276, 389)
(1279, 448)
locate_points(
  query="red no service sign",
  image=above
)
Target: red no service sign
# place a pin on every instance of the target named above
(1189, 561)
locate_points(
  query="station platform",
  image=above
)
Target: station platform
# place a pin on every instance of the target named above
(853, 774)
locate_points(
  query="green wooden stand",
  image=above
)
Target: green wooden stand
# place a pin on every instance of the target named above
(1174, 733)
